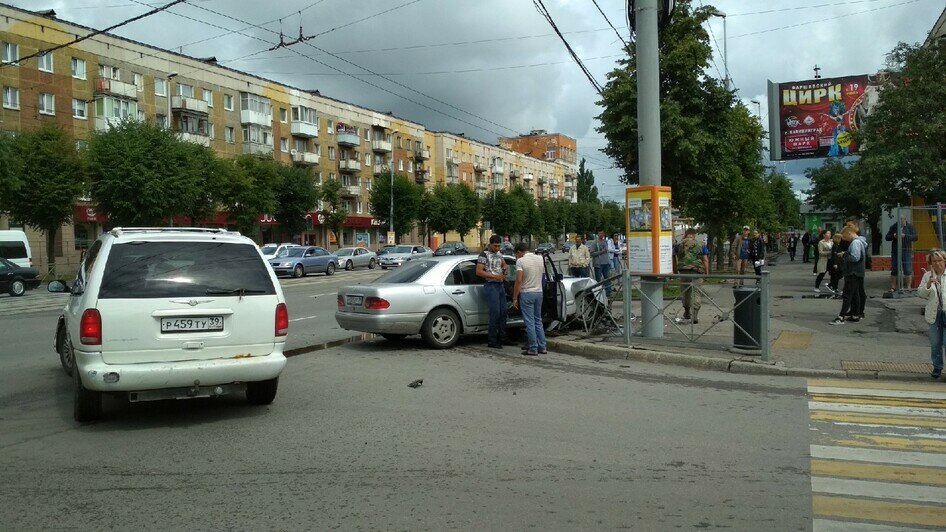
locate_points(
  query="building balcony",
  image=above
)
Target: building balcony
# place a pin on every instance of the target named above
(347, 139)
(349, 165)
(383, 146)
(514, 174)
(255, 117)
(527, 177)
(453, 180)
(498, 169)
(103, 123)
(195, 138)
(382, 169)
(304, 157)
(498, 183)
(257, 148)
(422, 155)
(422, 176)
(183, 103)
(480, 187)
(569, 178)
(116, 88)
(351, 191)
(455, 161)
(304, 129)
(479, 166)
(542, 179)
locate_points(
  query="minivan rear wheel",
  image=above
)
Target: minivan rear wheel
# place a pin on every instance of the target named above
(64, 348)
(262, 392)
(87, 404)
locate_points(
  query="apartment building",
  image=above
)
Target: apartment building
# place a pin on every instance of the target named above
(90, 85)
(552, 147)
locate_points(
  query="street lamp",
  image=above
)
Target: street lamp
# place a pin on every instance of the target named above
(722, 15)
(758, 107)
(167, 91)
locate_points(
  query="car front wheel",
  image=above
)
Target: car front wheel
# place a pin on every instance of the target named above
(330, 269)
(17, 288)
(441, 329)
(349, 266)
(262, 392)
(87, 404)
(298, 271)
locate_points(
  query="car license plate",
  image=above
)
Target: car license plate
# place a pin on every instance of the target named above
(354, 300)
(195, 324)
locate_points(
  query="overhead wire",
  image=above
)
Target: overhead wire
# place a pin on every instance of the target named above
(540, 7)
(822, 19)
(606, 19)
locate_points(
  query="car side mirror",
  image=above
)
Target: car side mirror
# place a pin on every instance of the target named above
(57, 287)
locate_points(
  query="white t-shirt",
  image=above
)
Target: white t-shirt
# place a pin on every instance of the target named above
(532, 269)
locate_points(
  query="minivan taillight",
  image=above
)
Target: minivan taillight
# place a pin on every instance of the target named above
(376, 303)
(90, 327)
(282, 319)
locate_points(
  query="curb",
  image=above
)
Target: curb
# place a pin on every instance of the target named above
(744, 366)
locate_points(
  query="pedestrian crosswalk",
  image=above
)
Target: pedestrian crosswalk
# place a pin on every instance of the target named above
(878, 455)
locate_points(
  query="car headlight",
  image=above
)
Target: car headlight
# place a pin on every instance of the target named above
(286, 264)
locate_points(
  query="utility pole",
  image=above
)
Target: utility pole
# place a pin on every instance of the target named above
(391, 220)
(648, 129)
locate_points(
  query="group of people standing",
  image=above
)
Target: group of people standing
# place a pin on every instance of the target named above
(603, 254)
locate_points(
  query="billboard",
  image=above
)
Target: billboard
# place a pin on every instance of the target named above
(815, 118)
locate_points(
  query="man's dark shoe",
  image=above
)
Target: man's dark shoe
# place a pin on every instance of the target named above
(936, 373)
(494, 346)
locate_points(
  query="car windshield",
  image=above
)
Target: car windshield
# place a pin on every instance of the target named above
(402, 249)
(141, 270)
(293, 252)
(386, 249)
(412, 271)
(268, 250)
(345, 251)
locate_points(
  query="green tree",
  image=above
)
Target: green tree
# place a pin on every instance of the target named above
(553, 217)
(296, 195)
(407, 201)
(585, 188)
(525, 220)
(248, 189)
(853, 189)
(786, 207)
(142, 174)
(586, 216)
(611, 218)
(49, 179)
(468, 210)
(442, 209)
(424, 214)
(335, 212)
(501, 213)
(9, 183)
(904, 146)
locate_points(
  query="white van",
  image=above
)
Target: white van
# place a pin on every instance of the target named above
(16, 248)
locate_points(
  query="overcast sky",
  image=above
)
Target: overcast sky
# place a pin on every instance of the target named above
(492, 67)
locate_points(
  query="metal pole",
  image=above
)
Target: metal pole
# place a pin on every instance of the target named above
(899, 262)
(939, 224)
(391, 220)
(765, 310)
(726, 54)
(648, 121)
(628, 308)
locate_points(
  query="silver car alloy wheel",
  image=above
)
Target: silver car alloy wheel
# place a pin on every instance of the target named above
(443, 329)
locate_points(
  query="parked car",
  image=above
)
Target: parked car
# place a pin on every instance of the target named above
(507, 248)
(300, 261)
(451, 248)
(403, 253)
(386, 249)
(545, 248)
(351, 258)
(171, 313)
(441, 298)
(272, 251)
(15, 247)
(16, 279)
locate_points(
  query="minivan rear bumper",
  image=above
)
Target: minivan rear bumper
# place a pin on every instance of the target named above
(159, 375)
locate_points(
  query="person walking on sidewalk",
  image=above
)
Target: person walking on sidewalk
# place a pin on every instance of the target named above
(691, 260)
(931, 289)
(806, 245)
(792, 245)
(853, 265)
(740, 251)
(491, 265)
(756, 252)
(579, 259)
(814, 250)
(527, 296)
(822, 258)
(905, 262)
(601, 260)
(834, 265)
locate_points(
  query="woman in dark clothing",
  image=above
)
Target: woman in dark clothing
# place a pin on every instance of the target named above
(834, 264)
(757, 252)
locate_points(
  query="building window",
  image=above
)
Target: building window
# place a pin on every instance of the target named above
(161, 121)
(141, 115)
(331, 153)
(400, 165)
(367, 159)
(185, 90)
(116, 108)
(283, 144)
(160, 87)
(47, 104)
(228, 102)
(299, 145)
(208, 97)
(228, 134)
(78, 68)
(410, 166)
(79, 108)
(139, 82)
(11, 52)
(304, 114)
(360, 206)
(11, 98)
(110, 72)
(45, 61)
(330, 127)
(367, 133)
(257, 104)
(282, 115)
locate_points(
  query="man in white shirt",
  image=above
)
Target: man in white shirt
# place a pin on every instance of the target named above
(527, 296)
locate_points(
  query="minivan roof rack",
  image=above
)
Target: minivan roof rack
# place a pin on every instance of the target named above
(119, 230)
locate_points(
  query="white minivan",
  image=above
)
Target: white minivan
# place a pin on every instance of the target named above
(16, 248)
(172, 313)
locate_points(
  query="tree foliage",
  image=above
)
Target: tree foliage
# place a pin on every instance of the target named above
(585, 187)
(46, 179)
(407, 201)
(335, 212)
(296, 196)
(851, 188)
(248, 189)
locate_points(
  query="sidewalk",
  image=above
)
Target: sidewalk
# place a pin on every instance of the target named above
(890, 342)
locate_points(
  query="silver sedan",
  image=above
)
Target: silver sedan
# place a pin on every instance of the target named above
(441, 298)
(351, 258)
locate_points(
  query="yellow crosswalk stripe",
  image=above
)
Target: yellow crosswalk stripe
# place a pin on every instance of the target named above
(878, 419)
(932, 476)
(878, 385)
(873, 400)
(890, 442)
(879, 511)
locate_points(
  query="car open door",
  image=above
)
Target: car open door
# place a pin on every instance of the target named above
(553, 293)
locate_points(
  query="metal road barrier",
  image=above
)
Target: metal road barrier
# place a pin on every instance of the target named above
(734, 314)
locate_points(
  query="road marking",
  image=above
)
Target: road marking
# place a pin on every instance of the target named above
(908, 458)
(877, 409)
(882, 511)
(858, 470)
(873, 392)
(877, 385)
(324, 294)
(892, 421)
(878, 490)
(866, 400)
(899, 444)
(303, 318)
(827, 525)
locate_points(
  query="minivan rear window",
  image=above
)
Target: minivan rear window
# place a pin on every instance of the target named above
(142, 270)
(12, 250)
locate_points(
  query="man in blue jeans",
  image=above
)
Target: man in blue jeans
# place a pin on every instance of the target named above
(601, 260)
(527, 296)
(491, 266)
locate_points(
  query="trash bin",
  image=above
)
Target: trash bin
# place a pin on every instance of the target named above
(747, 313)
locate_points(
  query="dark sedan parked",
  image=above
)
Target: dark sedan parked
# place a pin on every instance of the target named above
(16, 280)
(451, 248)
(545, 247)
